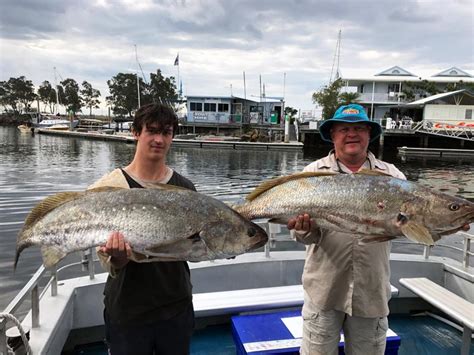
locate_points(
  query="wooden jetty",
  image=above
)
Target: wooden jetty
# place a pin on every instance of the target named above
(435, 152)
(196, 143)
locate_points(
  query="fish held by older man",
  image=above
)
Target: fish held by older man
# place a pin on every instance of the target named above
(372, 206)
(164, 222)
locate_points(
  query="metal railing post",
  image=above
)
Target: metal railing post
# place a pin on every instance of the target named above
(427, 251)
(88, 262)
(466, 250)
(35, 310)
(54, 281)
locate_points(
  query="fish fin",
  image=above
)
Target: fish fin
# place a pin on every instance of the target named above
(52, 255)
(267, 185)
(372, 172)
(375, 239)
(417, 232)
(46, 206)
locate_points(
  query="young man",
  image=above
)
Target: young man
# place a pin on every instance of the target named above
(346, 284)
(148, 304)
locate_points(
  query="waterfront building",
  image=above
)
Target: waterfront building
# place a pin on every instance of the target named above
(383, 93)
(233, 110)
(446, 110)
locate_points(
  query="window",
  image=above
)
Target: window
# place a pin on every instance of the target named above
(394, 87)
(468, 114)
(223, 108)
(195, 106)
(208, 107)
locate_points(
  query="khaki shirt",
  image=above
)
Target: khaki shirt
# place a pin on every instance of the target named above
(341, 274)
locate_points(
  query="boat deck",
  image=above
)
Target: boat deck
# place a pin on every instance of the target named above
(421, 335)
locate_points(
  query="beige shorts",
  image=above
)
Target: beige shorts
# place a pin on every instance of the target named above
(321, 333)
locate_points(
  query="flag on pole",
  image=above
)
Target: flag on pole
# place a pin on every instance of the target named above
(176, 61)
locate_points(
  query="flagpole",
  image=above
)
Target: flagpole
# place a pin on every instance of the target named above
(177, 86)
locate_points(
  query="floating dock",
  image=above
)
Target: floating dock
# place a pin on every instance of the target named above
(435, 152)
(195, 143)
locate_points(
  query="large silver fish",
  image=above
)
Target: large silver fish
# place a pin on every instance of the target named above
(373, 206)
(166, 222)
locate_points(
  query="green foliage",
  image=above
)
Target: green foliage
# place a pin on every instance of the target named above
(328, 98)
(18, 93)
(346, 98)
(90, 96)
(123, 93)
(47, 95)
(163, 89)
(72, 101)
(291, 112)
(123, 90)
(459, 86)
(419, 90)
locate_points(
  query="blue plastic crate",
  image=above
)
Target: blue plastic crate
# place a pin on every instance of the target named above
(266, 333)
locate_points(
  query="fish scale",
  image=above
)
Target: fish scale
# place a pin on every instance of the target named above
(159, 222)
(370, 205)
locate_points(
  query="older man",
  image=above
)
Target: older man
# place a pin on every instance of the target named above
(346, 284)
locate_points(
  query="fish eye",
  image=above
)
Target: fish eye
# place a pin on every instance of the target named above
(454, 207)
(251, 232)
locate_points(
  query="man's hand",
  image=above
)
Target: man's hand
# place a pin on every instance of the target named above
(301, 224)
(118, 249)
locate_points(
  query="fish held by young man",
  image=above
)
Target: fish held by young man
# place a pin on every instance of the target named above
(165, 222)
(371, 205)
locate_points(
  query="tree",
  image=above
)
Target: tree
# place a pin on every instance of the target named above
(459, 86)
(72, 101)
(419, 90)
(163, 89)
(47, 95)
(89, 96)
(291, 112)
(328, 98)
(346, 98)
(18, 93)
(6, 98)
(123, 93)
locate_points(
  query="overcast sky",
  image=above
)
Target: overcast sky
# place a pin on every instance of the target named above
(217, 41)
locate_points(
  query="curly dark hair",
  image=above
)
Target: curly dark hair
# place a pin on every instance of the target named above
(153, 113)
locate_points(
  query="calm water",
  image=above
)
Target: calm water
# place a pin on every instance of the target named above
(33, 167)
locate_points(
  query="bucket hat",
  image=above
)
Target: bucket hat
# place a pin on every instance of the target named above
(352, 113)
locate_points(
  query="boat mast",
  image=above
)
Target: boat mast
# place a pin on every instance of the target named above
(56, 90)
(138, 80)
(337, 55)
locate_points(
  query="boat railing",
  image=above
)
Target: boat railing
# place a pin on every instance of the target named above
(31, 289)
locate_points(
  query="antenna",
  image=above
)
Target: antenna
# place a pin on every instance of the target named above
(337, 55)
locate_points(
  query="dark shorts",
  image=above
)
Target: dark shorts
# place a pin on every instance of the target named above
(163, 337)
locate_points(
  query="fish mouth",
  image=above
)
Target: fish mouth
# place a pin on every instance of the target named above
(258, 236)
(260, 243)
